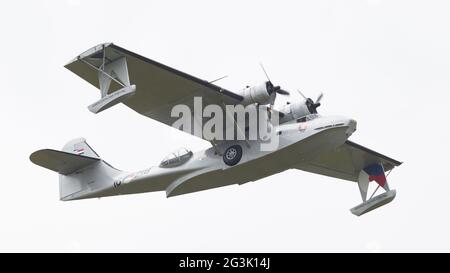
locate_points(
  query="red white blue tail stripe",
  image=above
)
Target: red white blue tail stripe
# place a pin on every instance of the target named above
(79, 151)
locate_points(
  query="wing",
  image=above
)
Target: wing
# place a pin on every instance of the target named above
(347, 161)
(158, 88)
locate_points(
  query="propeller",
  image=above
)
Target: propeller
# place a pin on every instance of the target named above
(270, 87)
(312, 106)
(319, 97)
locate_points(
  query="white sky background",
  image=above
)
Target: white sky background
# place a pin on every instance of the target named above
(384, 63)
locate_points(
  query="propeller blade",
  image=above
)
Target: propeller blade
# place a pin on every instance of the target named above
(319, 98)
(300, 92)
(267, 76)
(273, 89)
(283, 92)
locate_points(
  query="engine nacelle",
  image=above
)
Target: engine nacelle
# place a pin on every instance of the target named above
(294, 110)
(299, 109)
(260, 94)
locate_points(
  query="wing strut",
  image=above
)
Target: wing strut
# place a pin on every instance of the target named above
(110, 71)
(238, 129)
(374, 172)
(216, 149)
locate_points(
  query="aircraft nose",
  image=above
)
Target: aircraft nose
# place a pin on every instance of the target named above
(351, 126)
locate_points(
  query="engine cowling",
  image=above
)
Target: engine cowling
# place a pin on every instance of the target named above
(262, 94)
(295, 110)
(299, 109)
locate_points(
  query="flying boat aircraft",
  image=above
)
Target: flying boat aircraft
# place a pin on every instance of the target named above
(306, 140)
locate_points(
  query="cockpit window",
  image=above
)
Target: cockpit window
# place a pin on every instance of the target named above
(176, 158)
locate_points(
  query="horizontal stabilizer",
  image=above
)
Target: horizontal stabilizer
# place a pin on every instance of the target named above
(61, 162)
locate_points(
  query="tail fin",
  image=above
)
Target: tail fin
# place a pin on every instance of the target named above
(81, 171)
(79, 146)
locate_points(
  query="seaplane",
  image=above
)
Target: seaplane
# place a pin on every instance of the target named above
(300, 138)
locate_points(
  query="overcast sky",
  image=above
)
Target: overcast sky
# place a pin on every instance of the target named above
(384, 63)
